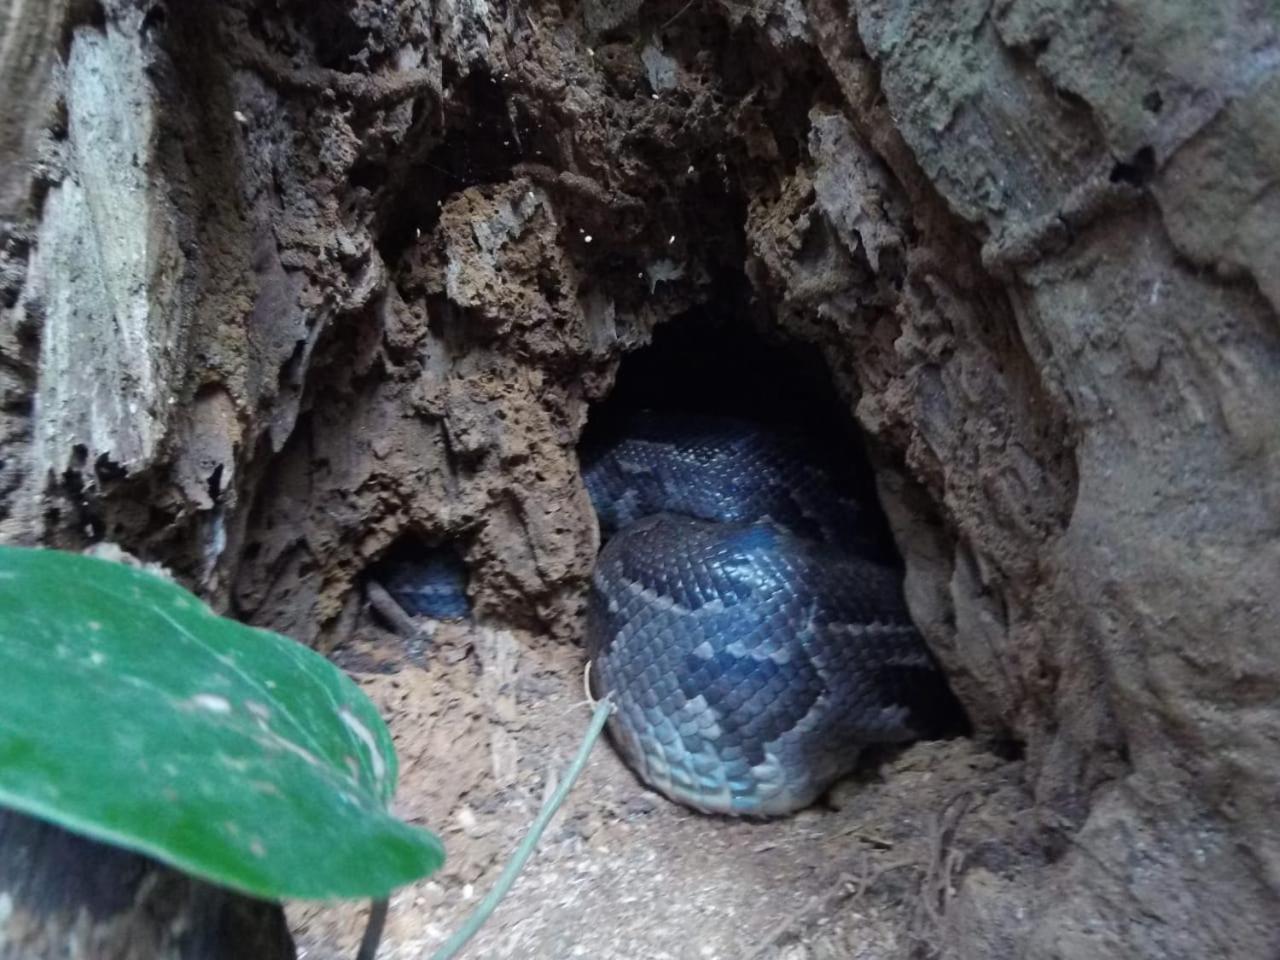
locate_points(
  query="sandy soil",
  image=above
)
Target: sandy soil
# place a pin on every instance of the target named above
(486, 721)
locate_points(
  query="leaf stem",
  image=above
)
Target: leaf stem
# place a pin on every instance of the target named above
(512, 870)
(373, 930)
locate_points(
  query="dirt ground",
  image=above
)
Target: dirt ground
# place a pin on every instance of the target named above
(486, 721)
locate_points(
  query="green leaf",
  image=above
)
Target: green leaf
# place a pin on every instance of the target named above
(131, 713)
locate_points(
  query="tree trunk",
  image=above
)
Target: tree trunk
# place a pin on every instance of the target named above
(77, 253)
(65, 896)
(296, 280)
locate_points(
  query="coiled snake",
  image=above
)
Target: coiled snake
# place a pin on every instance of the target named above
(742, 616)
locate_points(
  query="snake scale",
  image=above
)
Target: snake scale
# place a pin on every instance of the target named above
(744, 618)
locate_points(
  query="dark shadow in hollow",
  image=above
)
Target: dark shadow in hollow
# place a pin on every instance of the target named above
(720, 365)
(425, 579)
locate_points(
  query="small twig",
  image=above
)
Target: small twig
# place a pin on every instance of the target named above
(581, 186)
(858, 834)
(373, 930)
(675, 16)
(393, 613)
(825, 905)
(512, 870)
(945, 863)
(868, 877)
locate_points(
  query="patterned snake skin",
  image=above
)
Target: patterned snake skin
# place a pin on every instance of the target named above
(432, 584)
(744, 620)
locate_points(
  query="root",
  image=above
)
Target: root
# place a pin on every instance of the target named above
(946, 862)
(393, 614)
(846, 891)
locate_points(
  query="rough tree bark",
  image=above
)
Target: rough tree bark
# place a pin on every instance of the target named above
(290, 279)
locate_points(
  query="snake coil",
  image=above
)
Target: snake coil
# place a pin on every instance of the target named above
(744, 618)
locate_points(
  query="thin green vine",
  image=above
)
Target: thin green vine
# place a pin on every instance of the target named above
(454, 944)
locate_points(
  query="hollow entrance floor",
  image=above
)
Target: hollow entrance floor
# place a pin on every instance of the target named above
(486, 721)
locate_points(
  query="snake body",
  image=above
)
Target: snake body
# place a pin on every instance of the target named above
(744, 619)
(430, 584)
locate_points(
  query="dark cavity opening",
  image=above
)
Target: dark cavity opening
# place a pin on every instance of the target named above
(426, 579)
(1138, 171)
(719, 363)
(705, 363)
